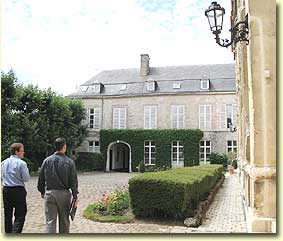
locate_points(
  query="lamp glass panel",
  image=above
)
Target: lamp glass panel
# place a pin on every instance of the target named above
(211, 20)
(219, 18)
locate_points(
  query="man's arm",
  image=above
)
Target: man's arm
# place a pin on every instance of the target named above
(73, 179)
(41, 180)
(25, 172)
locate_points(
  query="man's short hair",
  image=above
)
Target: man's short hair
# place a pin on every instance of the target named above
(16, 147)
(59, 143)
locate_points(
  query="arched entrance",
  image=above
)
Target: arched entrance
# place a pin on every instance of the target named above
(119, 157)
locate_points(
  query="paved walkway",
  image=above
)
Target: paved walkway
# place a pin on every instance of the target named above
(225, 214)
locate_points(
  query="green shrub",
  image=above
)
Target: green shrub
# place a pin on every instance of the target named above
(216, 158)
(88, 161)
(174, 193)
(141, 167)
(153, 168)
(235, 164)
(32, 166)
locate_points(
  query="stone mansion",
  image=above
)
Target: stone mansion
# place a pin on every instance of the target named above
(178, 97)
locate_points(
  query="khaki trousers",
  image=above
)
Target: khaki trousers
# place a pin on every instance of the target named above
(57, 203)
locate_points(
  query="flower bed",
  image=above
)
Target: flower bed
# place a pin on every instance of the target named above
(113, 207)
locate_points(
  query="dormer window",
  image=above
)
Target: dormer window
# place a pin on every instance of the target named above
(150, 86)
(204, 84)
(176, 85)
(84, 88)
(96, 88)
(123, 87)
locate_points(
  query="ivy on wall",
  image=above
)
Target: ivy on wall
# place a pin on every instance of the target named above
(163, 139)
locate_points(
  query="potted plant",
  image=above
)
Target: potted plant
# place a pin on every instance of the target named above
(231, 163)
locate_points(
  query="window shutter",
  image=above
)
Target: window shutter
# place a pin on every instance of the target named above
(223, 116)
(96, 119)
(146, 117)
(123, 118)
(153, 115)
(208, 116)
(116, 115)
(234, 114)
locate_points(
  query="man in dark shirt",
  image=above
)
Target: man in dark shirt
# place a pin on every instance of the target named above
(57, 176)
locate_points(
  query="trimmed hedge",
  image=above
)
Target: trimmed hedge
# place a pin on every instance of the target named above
(216, 158)
(88, 161)
(163, 139)
(173, 193)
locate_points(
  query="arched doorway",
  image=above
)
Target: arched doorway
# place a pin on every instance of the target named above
(119, 157)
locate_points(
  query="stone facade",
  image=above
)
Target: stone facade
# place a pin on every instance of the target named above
(135, 114)
(199, 102)
(256, 92)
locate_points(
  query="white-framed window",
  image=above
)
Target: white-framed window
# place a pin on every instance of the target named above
(150, 86)
(205, 116)
(94, 146)
(96, 88)
(149, 152)
(232, 146)
(84, 88)
(228, 113)
(176, 85)
(119, 117)
(178, 116)
(94, 118)
(123, 87)
(204, 152)
(150, 117)
(204, 84)
(177, 153)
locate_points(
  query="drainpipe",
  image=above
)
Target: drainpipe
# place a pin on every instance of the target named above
(102, 104)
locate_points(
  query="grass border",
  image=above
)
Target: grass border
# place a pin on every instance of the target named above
(90, 214)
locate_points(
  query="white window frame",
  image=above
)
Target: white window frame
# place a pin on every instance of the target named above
(148, 149)
(150, 86)
(180, 154)
(94, 117)
(176, 85)
(150, 117)
(205, 116)
(121, 114)
(84, 88)
(96, 88)
(204, 84)
(123, 87)
(224, 115)
(233, 146)
(94, 146)
(177, 116)
(206, 145)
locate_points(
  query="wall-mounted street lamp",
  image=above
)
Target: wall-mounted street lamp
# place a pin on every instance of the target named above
(230, 125)
(239, 32)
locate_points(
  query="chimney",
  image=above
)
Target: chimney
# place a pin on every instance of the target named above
(144, 65)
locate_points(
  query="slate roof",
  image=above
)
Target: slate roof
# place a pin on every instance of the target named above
(222, 79)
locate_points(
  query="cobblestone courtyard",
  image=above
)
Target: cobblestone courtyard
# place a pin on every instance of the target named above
(225, 214)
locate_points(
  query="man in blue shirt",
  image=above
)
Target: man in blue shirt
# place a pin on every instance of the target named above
(14, 174)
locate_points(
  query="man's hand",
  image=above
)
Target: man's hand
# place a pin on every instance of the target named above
(42, 195)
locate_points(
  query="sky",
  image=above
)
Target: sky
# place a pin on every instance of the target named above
(63, 43)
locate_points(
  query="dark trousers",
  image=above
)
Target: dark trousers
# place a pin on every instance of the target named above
(14, 201)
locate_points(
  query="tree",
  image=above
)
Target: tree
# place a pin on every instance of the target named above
(37, 117)
(8, 120)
